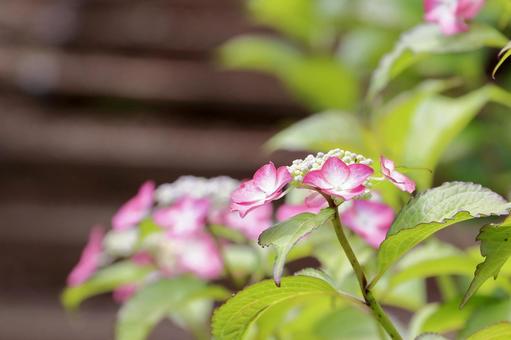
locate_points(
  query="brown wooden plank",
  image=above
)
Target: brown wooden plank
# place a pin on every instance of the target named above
(95, 74)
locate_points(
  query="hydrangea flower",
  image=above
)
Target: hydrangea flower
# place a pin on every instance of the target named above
(368, 219)
(133, 211)
(253, 224)
(90, 259)
(337, 179)
(388, 170)
(264, 187)
(451, 15)
(199, 255)
(185, 217)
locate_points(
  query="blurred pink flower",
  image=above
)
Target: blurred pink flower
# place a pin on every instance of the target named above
(450, 15)
(187, 216)
(142, 258)
(313, 204)
(89, 260)
(198, 254)
(264, 187)
(335, 178)
(138, 207)
(388, 169)
(370, 220)
(253, 224)
(124, 292)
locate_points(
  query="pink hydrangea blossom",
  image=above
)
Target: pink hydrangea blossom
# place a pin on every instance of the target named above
(142, 258)
(388, 169)
(198, 254)
(185, 217)
(368, 219)
(338, 179)
(133, 211)
(264, 187)
(313, 204)
(450, 15)
(124, 292)
(89, 260)
(253, 224)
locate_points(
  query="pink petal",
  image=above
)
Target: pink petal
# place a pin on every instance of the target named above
(133, 211)
(243, 210)
(283, 177)
(186, 216)
(254, 223)
(265, 178)
(287, 211)
(315, 179)
(347, 194)
(358, 173)
(89, 260)
(468, 9)
(370, 220)
(398, 179)
(335, 171)
(315, 200)
(125, 292)
(248, 192)
(201, 257)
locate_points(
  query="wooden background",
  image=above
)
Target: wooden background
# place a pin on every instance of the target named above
(96, 96)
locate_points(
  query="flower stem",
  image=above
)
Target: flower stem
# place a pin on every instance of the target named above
(370, 301)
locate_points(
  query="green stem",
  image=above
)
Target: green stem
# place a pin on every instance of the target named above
(227, 268)
(370, 301)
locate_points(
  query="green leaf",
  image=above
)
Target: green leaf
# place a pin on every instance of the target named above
(258, 53)
(428, 123)
(500, 331)
(347, 323)
(432, 211)
(232, 320)
(495, 247)
(141, 313)
(424, 40)
(430, 336)
(486, 315)
(285, 235)
(323, 131)
(503, 55)
(105, 280)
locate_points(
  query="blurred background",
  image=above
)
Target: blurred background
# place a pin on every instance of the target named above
(97, 96)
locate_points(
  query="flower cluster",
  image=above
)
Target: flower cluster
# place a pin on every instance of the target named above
(336, 176)
(451, 15)
(167, 229)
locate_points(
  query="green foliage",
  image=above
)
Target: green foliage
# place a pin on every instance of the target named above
(322, 131)
(501, 331)
(232, 320)
(432, 211)
(155, 302)
(105, 280)
(495, 248)
(425, 40)
(285, 235)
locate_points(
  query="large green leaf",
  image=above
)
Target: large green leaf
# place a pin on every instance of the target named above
(486, 315)
(495, 247)
(285, 235)
(425, 40)
(432, 211)
(428, 123)
(140, 314)
(320, 132)
(105, 280)
(231, 321)
(500, 331)
(347, 323)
